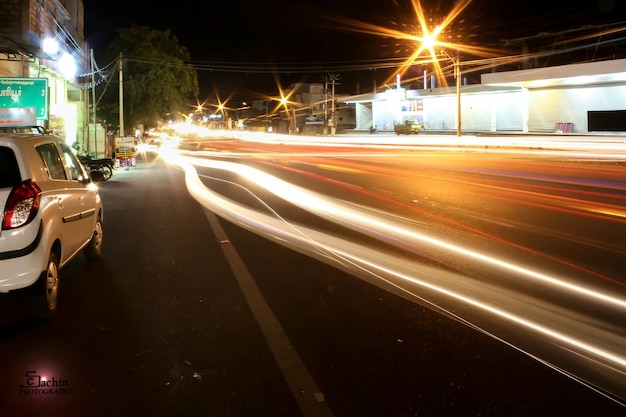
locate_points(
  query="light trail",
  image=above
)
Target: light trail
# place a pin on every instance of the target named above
(584, 147)
(503, 187)
(578, 146)
(363, 221)
(592, 344)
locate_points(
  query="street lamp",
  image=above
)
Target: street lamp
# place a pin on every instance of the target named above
(429, 41)
(222, 109)
(284, 101)
(457, 75)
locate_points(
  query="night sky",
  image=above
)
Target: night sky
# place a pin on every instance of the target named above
(299, 35)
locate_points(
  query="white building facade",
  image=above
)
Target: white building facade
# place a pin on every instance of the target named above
(588, 98)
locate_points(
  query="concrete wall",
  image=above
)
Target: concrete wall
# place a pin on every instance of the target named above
(550, 106)
(385, 113)
(363, 115)
(481, 112)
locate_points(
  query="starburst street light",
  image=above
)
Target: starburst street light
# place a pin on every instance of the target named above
(429, 44)
(284, 101)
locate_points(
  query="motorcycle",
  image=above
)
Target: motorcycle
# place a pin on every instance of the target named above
(103, 165)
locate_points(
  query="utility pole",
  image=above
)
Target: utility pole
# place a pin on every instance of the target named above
(333, 78)
(121, 97)
(93, 99)
(325, 127)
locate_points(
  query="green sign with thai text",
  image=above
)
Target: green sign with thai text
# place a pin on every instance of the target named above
(20, 93)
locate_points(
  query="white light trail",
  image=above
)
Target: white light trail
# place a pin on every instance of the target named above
(593, 146)
(387, 230)
(582, 338)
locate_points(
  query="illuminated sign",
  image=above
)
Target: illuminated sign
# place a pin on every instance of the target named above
(413, 105)
(21, 93)
(18, 117)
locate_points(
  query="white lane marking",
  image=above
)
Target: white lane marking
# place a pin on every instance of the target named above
(303, 388)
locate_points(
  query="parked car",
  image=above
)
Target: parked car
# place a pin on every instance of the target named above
(407, 127)
(50, 210)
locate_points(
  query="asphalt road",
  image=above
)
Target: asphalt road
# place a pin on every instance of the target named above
(186, 316)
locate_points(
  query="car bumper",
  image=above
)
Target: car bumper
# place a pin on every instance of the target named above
(20, 268)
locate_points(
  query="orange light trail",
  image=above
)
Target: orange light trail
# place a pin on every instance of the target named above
(531, 323)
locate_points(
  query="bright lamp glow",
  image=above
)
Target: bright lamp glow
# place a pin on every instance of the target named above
(67, 66)
(50, 46)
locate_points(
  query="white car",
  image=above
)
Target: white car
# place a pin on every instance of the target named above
(50, 210)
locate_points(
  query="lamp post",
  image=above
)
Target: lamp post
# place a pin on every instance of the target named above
(456, 62)
(293, 128)
(221, 108)
(457, 74)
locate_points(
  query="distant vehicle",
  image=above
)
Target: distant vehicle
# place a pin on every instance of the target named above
(50, 210)
(407, 128)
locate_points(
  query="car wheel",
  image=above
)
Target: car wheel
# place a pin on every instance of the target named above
(45, 294)
(94, 247)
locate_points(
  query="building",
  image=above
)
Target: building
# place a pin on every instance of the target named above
(312, 109)
(586, 98)
(579, 98)
(42, 46)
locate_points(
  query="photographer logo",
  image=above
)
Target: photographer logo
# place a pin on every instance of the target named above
(35, 384)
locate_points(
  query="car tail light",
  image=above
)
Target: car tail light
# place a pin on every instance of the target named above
(22, 205)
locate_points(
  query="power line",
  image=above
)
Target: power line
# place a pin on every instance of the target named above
(256, 67)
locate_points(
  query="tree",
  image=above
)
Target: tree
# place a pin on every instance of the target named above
(157, 77)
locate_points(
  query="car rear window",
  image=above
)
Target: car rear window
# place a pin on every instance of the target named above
(50, 155)
(9, 170)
